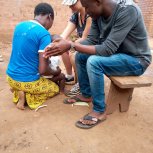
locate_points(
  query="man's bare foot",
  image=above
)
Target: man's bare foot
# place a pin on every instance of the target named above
(100, 116)
(21, 102)
(81, 97)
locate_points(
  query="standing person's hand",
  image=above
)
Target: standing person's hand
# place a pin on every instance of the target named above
(58, 47)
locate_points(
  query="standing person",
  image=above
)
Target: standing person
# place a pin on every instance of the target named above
(81, 22)
(116, 46)
(27, 63)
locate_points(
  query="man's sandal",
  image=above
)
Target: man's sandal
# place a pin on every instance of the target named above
(73, 98)
(79, 124)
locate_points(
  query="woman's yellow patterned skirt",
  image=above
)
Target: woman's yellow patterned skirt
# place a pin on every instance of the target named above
(36, 92)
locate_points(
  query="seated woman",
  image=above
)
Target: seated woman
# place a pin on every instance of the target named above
(27, 63)
(81, 22)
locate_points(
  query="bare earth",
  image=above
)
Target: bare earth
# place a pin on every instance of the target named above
(52, 129)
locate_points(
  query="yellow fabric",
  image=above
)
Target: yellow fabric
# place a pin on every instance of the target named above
(36, 92)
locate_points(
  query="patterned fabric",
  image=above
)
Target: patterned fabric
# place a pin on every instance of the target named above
(37, 92)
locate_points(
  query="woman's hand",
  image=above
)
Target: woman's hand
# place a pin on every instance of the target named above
(58, 47)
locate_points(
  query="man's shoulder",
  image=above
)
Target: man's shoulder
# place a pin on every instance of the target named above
(130, 9)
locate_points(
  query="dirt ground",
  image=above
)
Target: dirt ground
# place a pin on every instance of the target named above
(52, 129)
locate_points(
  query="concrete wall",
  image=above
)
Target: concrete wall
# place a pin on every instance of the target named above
(14, 11)
(147, 10)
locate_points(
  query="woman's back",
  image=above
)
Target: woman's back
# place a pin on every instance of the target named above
(29, 38)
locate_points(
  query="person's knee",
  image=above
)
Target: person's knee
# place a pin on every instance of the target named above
(92, 61)
(95, 63)
(79, 57)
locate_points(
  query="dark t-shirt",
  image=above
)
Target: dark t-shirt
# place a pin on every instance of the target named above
(80, 28)
(124, 32)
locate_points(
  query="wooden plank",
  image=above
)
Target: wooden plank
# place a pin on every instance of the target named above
(132, 81)
(144, 80)
(118, 98)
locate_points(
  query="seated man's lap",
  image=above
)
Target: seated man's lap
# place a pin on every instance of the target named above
(116, 65)
(80, 57)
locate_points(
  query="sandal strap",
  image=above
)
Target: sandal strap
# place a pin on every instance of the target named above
(76, 98)
(90, 118)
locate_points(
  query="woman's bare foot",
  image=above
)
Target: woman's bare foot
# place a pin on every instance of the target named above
(21, 102)
(100, 116)
(11, 89)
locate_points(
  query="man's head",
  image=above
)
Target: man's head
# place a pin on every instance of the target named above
(44, 13)
(95, 8)
(75, 5)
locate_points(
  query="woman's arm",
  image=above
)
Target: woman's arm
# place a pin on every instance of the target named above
(87, 28)
(43, 65)
(44, 68)
(68, 30)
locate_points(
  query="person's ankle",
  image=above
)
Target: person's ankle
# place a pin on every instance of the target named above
(86, 97)
(69, 76)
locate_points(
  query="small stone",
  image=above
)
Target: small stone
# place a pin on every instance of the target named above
(136, 115)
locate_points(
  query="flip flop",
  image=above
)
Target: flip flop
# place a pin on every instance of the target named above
(90, 118)
(74, 98)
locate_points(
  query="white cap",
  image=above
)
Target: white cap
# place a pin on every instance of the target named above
(69, 2)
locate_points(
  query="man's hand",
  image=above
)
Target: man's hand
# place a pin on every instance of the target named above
(58, 47)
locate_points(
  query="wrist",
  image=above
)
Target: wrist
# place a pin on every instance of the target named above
(72, 48)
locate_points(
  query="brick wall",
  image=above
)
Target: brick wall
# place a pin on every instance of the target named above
(14, 11)
(147, 10)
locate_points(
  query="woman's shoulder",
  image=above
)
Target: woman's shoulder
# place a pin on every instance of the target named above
(74, 15)
(74, 18)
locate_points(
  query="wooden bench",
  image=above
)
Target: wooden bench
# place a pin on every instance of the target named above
(121, 90)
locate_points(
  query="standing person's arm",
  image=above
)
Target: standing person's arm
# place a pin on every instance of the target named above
(68, 30)
(86, 30)
(65, 35)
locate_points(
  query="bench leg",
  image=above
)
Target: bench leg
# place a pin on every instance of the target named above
(118, 97)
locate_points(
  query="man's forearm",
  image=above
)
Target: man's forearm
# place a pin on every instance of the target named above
(84, 48)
